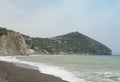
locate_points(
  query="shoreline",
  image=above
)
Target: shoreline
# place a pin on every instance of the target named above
(10, 72)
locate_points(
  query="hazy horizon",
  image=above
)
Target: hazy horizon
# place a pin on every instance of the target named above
(98, 19)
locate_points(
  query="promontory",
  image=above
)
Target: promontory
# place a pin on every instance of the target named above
(15, 43)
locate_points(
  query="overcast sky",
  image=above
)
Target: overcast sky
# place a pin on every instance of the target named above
(98, 19)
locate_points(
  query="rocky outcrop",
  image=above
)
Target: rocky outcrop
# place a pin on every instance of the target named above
(12, 43)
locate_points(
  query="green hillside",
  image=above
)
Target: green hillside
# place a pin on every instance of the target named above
(71, 43)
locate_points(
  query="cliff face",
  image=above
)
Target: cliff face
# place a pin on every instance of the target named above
(71, 43)
(12, 43)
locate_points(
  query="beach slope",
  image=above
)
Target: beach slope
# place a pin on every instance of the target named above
(12, 73)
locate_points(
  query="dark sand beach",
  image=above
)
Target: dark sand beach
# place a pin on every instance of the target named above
(12, 73)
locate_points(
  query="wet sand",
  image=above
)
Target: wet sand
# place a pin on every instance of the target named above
(12, 73)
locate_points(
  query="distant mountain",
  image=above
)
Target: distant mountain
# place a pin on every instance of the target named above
(71, 43)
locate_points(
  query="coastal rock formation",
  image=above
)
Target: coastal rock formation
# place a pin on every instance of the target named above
(12, 43)
(71, 43)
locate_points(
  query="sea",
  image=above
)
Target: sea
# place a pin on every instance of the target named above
(74, 68)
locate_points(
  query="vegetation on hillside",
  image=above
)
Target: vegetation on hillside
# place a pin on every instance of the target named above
(71, 43)
(3, 31)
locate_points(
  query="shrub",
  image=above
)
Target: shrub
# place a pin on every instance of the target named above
(3, 31)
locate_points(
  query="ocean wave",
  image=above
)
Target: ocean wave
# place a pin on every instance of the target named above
(47, 69)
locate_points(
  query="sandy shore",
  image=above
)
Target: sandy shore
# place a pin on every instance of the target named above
(12, 73)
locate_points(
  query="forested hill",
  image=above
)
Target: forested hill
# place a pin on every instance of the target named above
(71, 43)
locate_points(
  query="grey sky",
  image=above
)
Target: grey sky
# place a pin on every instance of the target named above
(98, 19)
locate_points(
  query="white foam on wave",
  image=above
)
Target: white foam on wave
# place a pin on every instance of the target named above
(59, 72)
(47, 69)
